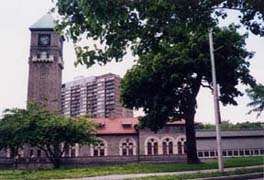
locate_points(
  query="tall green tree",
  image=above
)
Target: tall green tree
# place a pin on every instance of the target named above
(12, 134)
(166, 36)
(41, 129)
(256, 94)
(53, 133)
(165, 83)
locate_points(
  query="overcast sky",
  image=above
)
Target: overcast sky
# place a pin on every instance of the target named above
(17, 15)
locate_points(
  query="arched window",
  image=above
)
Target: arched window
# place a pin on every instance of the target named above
(127, 147)
(181, 145)
(12, 154)
(99, 149)
(152, 147)
(71, 151)
(167, 146)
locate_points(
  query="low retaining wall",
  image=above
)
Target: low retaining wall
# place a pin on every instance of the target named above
(90, 161)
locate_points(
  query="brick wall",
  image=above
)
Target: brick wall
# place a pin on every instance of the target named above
(44, 80)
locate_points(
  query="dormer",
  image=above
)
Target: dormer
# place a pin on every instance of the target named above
(126, 123)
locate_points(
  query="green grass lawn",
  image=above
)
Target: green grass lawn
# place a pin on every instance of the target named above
(201, 175)
(122, 169)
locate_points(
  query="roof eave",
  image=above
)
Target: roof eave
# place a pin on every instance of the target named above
(41, 29)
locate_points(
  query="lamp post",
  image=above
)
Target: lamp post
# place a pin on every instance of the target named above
(216, 105)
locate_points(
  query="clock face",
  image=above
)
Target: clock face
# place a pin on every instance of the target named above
(44, 39)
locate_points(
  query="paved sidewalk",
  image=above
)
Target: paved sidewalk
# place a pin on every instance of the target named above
(128, 176)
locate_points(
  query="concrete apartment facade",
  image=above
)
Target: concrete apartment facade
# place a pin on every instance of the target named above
(94, 96)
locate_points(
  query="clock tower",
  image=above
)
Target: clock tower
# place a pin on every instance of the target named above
(45, 64)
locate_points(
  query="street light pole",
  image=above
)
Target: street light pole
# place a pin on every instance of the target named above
(216, 105)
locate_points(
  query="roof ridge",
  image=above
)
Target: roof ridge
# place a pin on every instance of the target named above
(45, 22)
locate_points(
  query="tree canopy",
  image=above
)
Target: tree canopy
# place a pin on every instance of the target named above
(44, 130)
(166, 82)
(177, 70)
(256, 94)
(141, 25)
(12, 134)
(227, 125)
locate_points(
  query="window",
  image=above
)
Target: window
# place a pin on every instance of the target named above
(181, 145)
(71, 151)
(31, 153)
(130, 152)
(155, 148)
(167, 146)
(99, 149)
(247, 152)
(164, 148)
(102, 152)
(38, 153)
(206, 153)
(230, 153)
(149, 148)
(241, 153)
(262, 151)
(96, 152)
(236, 153)
(224, 153)
(152, 147)
(212, 153)
(124, 152)
(127, 147)
(256, 152)
(200, 154)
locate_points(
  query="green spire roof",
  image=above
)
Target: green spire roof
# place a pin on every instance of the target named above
(46, 22)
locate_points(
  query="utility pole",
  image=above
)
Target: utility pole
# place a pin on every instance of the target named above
(216, 106)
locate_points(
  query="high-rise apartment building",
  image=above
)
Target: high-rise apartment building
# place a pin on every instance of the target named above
(95, 96)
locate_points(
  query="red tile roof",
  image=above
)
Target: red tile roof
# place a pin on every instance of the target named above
(122, 125)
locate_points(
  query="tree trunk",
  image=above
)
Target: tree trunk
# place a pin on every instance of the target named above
(57, 163)
(56, 155)
(53, 156)
(192, 157)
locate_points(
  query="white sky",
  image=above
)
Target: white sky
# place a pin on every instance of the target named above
(17, 15)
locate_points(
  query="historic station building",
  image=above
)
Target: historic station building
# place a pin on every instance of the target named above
(121, 142)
